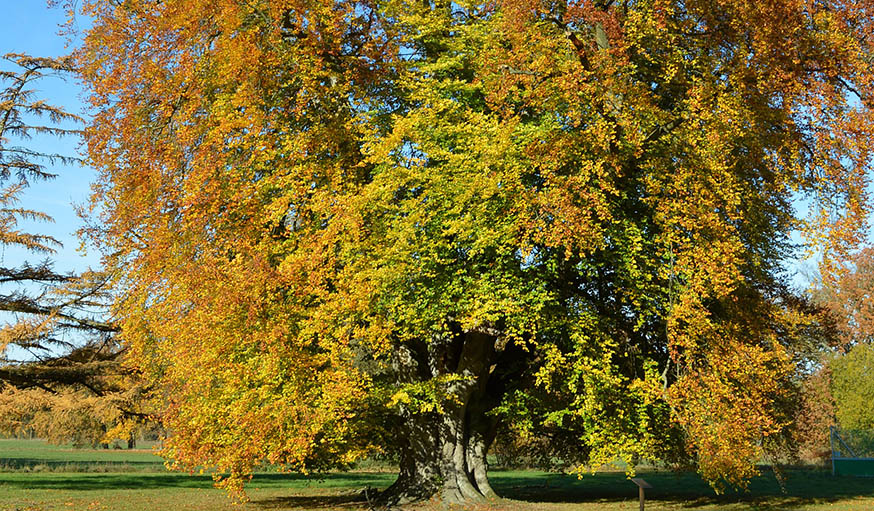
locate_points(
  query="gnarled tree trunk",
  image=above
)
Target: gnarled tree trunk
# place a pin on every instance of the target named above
(444, 454)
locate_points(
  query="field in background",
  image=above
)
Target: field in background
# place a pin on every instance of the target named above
(39, 477)
(39, 456)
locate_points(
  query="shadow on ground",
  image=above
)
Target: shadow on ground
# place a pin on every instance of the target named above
(765, 493)
(683, 490)
(353, 501)
(346, 490)
(128, 481)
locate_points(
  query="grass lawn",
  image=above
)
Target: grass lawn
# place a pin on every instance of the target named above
(37, 455)
(43, 486)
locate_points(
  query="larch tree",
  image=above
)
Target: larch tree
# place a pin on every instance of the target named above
(354, 226)
(60, 370)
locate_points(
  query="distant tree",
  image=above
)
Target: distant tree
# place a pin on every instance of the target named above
(848, 295)
(816, 414)
(853, 387)
(349, 226)
(80, 417)
(58, 349)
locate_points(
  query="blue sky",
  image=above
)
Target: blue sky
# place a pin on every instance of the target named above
(33, 28)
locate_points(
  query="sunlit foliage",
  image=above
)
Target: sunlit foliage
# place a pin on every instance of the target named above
(358, 225)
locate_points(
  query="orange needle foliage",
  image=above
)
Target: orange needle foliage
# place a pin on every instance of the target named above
(354, 225)
(60, 362)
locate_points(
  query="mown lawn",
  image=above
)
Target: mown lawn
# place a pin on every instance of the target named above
(42, 457)
(50, 488)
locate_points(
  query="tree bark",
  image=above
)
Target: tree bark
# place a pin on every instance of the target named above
(443, 455)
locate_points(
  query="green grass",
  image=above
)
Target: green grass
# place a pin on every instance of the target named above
(160, 491)
(27, 490)
(37, 455)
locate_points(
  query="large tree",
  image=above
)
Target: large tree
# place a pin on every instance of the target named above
(405, 225)
(60, 362)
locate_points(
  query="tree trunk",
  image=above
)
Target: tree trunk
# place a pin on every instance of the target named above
(444, 454)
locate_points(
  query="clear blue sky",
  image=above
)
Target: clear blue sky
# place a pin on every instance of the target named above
(31, 27)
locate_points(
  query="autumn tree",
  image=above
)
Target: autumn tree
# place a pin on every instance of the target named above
(352, 226)
(815, 416)
(58, 349)
(847, 294)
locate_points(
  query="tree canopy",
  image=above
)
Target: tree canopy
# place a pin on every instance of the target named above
(354, 226)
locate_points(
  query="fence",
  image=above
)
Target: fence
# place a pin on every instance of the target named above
(852, 452)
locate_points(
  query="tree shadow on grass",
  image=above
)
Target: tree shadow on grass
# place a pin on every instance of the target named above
(680, 490)
(344, 490)
(353, 500)
(684, 489)
(97, 482)
(170, 480)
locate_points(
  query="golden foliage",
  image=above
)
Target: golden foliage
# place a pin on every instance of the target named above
(300, 191)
